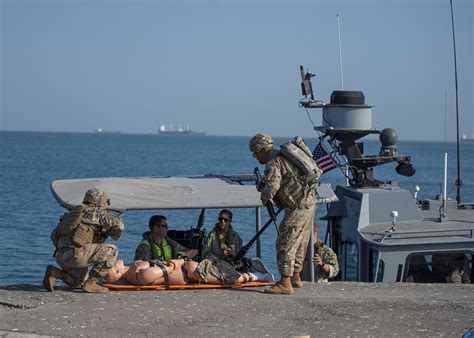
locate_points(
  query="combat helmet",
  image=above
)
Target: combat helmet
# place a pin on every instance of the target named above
(96, 197)
(259, 142)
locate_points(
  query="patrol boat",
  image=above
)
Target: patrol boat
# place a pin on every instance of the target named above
(381, 232)
(179, 192)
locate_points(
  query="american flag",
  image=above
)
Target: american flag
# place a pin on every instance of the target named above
(323, 160)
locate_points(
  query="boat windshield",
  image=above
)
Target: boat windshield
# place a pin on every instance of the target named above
(439, 267)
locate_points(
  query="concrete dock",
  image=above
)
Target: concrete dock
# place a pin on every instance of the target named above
(318, 310)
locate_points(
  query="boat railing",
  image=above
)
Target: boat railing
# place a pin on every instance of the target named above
(468, 233)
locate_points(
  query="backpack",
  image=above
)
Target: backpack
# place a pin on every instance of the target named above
(297, 152)
(68, 224)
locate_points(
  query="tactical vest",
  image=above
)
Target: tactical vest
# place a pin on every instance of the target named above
(301, 177)
(68, 224)
(161, 252)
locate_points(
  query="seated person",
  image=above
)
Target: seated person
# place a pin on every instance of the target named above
(325, 260)
(177, 271)
(450, 268)
(156, 245)
(222, 242)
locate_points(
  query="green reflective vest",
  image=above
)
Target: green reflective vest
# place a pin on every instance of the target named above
(161, 251)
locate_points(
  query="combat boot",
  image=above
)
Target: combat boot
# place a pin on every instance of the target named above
(51, 275)
(283, 287)
(91, 284)
(296, 280)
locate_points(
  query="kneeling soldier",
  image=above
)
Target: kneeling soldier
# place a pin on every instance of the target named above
(79, 239)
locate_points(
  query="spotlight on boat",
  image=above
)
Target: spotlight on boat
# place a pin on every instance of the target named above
(406, 169)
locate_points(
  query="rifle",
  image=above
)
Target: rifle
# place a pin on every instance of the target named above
(201, 219)
(243, 251)
(271, 212)
(260, 185)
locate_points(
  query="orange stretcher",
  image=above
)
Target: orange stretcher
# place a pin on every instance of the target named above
(193, 286)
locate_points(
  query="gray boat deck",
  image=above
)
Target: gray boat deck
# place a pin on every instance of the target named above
(319, 310)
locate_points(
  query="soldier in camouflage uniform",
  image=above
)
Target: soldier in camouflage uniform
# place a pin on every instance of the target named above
(222, 242)
(295, 228)
(79, 239)
(325, 259)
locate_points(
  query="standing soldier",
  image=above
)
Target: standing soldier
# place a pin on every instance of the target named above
(79, 239)
(285, 184)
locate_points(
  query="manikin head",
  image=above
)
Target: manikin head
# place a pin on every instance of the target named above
(116, 271)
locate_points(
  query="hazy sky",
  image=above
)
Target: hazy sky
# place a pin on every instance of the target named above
(231, 67)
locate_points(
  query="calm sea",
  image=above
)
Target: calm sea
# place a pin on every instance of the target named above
(30, 161)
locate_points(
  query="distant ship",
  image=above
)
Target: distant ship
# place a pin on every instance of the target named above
(103, 131)
(467, 138)
(179, 131)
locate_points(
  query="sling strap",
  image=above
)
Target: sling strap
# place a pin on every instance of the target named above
(165, 276)
(163, 269)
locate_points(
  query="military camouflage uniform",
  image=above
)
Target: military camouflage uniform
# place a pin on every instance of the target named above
(213, 245)
(75, 260)
(295, 228)
(219, 268)
(330, 258)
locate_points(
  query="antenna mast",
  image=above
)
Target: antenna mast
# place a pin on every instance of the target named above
(458, 180)
(342, 77)
(340, 52)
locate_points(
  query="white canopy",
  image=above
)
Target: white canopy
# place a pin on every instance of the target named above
(148, 193)
(145, 193)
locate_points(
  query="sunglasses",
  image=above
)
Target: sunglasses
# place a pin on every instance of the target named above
(256, 153)
(226, 220)
(162, 226)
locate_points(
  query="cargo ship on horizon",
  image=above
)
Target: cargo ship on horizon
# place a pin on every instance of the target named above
(163, 130)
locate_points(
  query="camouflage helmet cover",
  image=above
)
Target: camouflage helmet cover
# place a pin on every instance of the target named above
(95, 196)
(259, 142)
